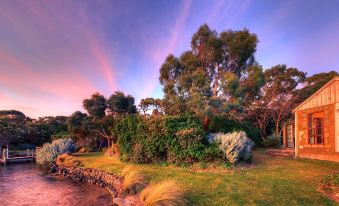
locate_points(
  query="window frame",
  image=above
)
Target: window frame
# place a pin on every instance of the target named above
(313, 128)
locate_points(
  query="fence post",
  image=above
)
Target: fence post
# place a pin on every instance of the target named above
(7, 155)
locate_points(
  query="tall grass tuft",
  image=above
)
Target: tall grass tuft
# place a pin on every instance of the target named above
(166, 193)
(67, 161)
(134, 182)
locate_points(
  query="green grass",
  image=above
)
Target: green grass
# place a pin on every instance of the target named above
(267, 181)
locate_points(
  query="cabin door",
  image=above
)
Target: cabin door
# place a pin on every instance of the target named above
(290, 135)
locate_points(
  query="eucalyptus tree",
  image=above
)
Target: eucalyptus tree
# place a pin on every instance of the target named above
(150, 104)
(214, 76)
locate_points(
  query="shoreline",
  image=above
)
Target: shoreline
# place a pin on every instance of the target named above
(111, 182)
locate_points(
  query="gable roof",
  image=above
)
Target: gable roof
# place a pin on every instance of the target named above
(336, 78)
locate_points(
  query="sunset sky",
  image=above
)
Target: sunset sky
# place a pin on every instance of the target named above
(53, 54)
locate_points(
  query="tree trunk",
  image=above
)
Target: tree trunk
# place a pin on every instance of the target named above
(215, 88)
(206, 122)
(109, 142)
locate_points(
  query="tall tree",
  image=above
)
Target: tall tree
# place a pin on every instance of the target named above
(281, 83)
(201, 80)
(118, 103)
(96, 105)
(81, 126)
(149, 104)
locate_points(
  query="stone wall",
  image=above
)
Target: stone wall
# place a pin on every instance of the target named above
(111, 182)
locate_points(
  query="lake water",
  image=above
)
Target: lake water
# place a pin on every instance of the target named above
(28, 184)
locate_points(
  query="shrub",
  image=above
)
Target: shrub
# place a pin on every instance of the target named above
(185, 138)
(186, 146)
(163, 193)
(46, 154)
(236, 146)
(225, 125)
(49, 152)
(126, 130)
(274, 140)
(64, 146)
(67, 160)
(212, 152)
(134, 182)
(177, 139)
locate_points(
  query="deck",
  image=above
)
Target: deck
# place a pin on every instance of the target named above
(7, 159)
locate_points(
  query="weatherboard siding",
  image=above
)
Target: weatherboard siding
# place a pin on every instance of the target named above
(325, 100)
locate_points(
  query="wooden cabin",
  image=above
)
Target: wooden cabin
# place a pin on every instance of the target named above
(316, 125)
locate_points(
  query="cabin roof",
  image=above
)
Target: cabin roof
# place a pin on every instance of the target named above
(336, 78)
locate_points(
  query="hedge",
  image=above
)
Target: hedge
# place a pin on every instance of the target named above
(175, 139)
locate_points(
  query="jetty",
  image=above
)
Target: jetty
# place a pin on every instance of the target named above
(6, 158)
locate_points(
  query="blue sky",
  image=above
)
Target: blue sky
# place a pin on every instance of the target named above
(53, 54)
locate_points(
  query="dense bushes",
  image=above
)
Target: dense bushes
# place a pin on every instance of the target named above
(274, 140)
(236, 146)
(50, 151)
(224, 125)
(176, 139)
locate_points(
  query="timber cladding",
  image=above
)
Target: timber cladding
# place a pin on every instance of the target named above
(317, 124)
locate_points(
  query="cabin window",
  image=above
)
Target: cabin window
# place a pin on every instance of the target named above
(316, 128)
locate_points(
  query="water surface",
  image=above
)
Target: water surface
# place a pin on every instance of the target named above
(28, 184)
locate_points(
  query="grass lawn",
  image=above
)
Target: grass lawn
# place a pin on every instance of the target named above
(268, 181)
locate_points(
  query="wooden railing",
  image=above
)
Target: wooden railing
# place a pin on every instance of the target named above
(5, 156)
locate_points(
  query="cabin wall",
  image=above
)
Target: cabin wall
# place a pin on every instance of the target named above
(326, 151)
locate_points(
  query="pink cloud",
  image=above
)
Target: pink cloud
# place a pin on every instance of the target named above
(159, 53)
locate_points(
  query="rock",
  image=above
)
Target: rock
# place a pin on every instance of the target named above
(113, 183)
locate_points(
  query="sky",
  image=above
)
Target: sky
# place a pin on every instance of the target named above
(54, 54)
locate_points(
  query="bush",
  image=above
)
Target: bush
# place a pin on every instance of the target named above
(64, 146)
(274, 140)
(212, 152)
(236, 146)
(50, 151)
(164, 193)
(177, 139)
(225, 125)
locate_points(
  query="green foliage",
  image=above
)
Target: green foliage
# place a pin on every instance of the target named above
(126, 130)
(274, 140)
(218, 67)
(225, 125)
(212, 152)
(50, 151)
(119, 103)
(96, 105)
(16, 129)
(185, 138)
(331, 180)
(178, 139)
(149, 104)
(235, 146)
